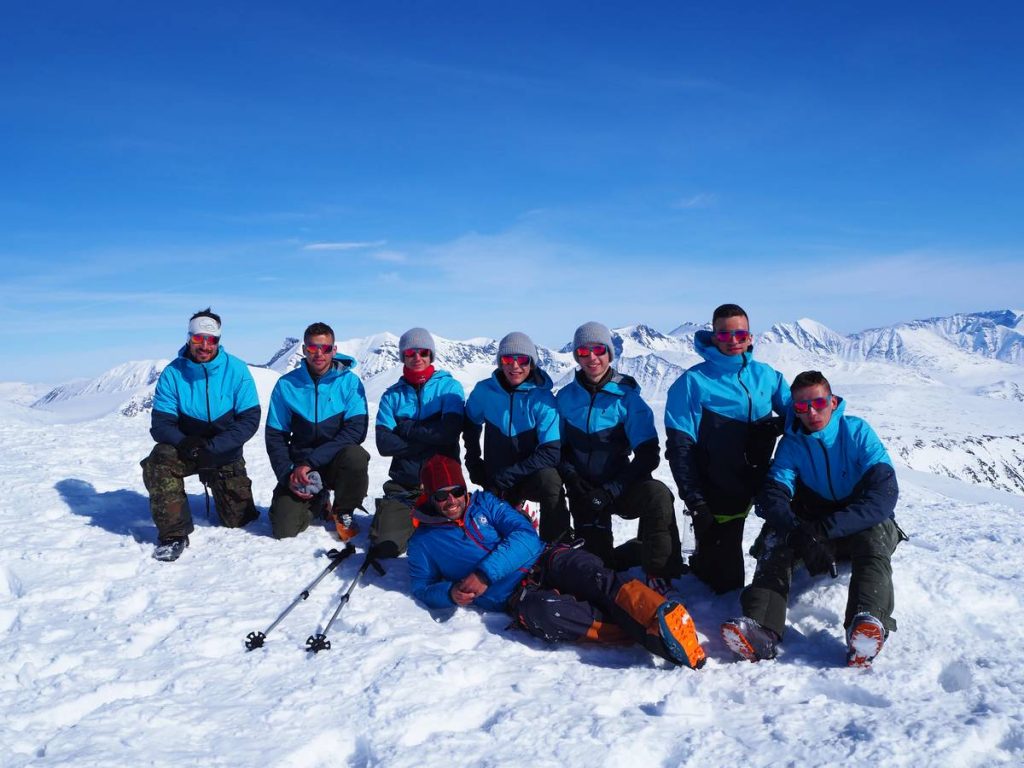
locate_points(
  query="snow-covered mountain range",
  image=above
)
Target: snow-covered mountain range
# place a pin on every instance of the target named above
(946, 394)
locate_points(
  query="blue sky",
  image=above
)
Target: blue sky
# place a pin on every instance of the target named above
(483, 167)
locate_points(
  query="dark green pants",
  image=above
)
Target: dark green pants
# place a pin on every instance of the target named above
(346, 475)
(164, 473)
(871, 591)
(657, 541)
(392, 520)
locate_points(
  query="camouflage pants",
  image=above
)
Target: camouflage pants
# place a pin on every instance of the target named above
(871, 591)
(164, 473)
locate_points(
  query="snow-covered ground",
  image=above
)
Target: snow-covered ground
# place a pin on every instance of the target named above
(108, 657)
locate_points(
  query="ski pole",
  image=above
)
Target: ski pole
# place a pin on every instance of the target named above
(319, 642)
(255, 639)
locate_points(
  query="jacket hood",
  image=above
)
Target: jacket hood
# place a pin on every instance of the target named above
(704, 345)
(193, 369)
(538, 379)
(826, 435)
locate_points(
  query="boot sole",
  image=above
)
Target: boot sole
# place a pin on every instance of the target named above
(737, 642)
(866, 641)
(680, 636)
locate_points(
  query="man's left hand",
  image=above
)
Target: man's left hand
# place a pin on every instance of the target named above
(468, 589)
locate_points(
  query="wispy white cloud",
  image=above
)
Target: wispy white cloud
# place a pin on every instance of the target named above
(344, 246)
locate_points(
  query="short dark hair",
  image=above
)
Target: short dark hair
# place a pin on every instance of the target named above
(809, 379)
(317, 329)
(728, 310)
(206, 313)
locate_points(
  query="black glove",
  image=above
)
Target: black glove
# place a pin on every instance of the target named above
(578, 487)
(207, 475)
(192, 448)
(702, 518)
(598, 499)
(760, 442)
(813, 547)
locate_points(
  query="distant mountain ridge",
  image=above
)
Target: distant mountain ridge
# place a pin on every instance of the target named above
(998, 335)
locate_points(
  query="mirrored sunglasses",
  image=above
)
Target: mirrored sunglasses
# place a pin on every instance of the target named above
(817, 403)
(594, 349)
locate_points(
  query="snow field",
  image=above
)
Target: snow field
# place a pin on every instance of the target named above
(108, 657)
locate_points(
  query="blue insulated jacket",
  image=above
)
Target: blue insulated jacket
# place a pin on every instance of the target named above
(601, 429)
(493, 539)
(216, 400)
(414, 423)
(718, 423)
(308, 421)
(841, 476)
(520, 430)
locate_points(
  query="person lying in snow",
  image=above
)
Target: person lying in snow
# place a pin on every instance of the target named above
(830, 493)
(477, 550)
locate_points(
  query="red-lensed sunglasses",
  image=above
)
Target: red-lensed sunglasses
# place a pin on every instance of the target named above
(456, 492)
(325, 349)
(817, 403)
(596, 349)
(521, 360)
(416, 353)
(725, 336)
(205, 338)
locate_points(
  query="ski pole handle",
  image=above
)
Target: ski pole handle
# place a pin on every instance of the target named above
(833, 570)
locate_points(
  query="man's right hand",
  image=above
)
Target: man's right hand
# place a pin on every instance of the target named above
(702, 517)
(191, 448)
(299, 479)
(813, 547)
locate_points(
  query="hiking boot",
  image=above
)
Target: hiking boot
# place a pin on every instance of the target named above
(169, 550)
(344, 524)
(864, 640)
(746, 638)
(680, 635)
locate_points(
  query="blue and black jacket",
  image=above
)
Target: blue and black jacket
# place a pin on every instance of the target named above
(601, 427)
(840, 476)
(414, 423)
(216, 400)
(521, 435)
(309, 421)
(719, 427)
(492, 538)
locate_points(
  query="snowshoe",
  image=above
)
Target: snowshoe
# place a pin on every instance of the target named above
(746, 638)
(864, 640)
(169, 550)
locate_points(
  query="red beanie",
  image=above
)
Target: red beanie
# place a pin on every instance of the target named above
(440, 471)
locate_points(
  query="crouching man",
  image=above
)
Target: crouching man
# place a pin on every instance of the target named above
(475, 549)
(204, 410)
(830, 493)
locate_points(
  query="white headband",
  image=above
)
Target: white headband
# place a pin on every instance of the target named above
(204, 324)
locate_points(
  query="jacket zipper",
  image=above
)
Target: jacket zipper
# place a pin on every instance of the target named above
(750, 400)
(828, 473)
(209, 413)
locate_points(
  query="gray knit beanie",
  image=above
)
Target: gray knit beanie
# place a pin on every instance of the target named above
(517, 343)
(416, 338)
(589, 334)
